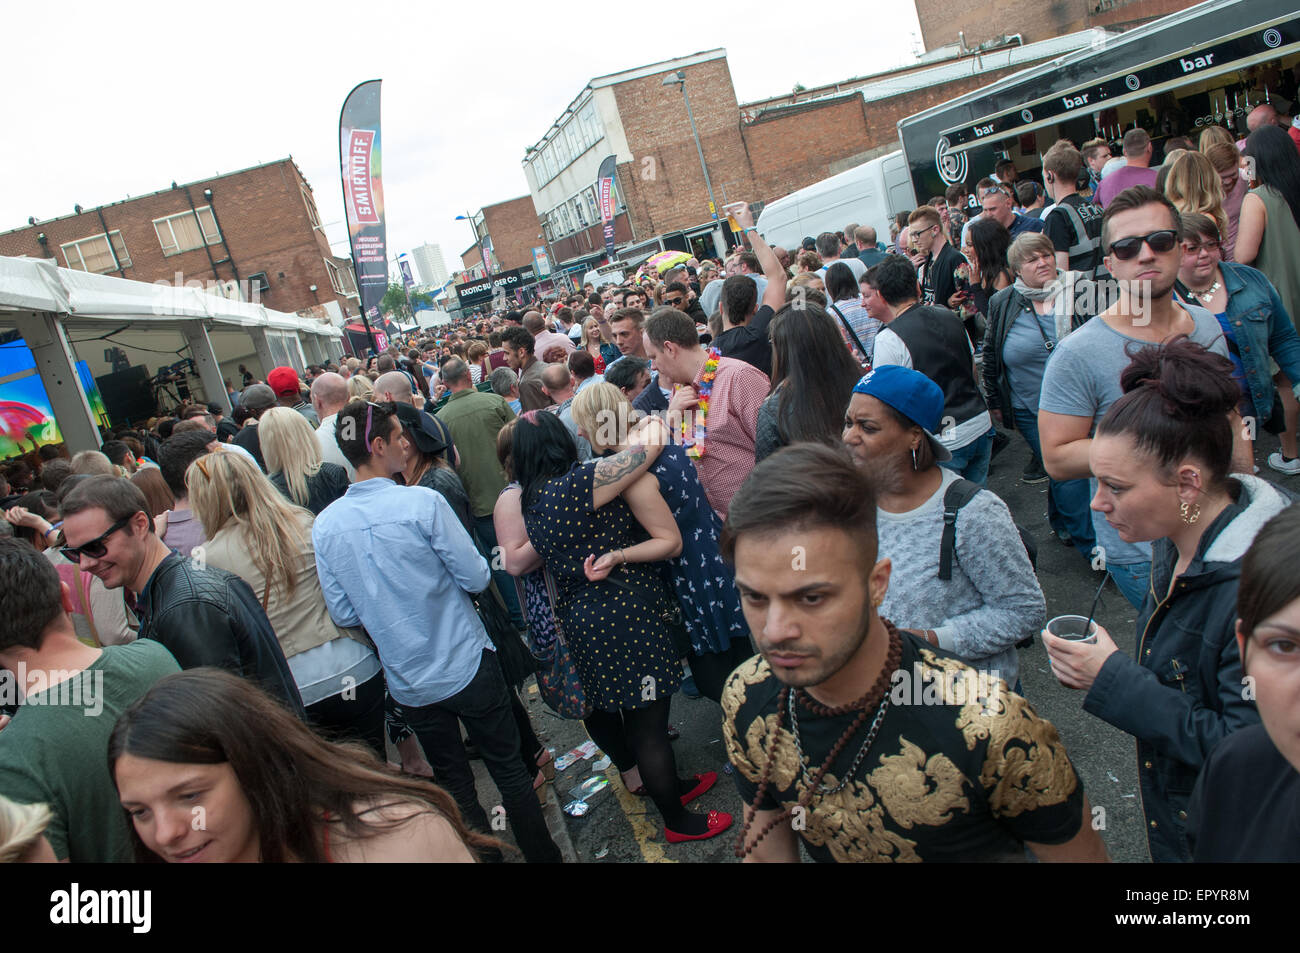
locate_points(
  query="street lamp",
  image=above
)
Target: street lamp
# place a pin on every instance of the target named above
(487, 268)
(679, 79)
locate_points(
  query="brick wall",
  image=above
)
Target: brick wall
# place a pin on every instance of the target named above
(263, 220)
(984, 20)
(804, 145)
(663, 185)
(513, 227)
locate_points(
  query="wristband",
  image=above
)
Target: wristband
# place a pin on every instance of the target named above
(751, 228)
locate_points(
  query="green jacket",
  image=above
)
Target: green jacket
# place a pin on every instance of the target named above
(474, 419)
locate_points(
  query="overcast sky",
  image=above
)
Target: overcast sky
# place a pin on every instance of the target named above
(103, 101)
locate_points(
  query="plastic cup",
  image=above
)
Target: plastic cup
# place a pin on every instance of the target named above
(1074, 628)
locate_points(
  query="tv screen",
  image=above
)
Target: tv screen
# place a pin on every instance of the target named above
(26, 417)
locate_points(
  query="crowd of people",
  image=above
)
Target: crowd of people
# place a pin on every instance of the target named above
(760, 480)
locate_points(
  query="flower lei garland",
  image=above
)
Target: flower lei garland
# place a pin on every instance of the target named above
(694, 443)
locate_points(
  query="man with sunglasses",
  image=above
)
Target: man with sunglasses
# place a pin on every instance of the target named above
(203, 615)
(1139, 235)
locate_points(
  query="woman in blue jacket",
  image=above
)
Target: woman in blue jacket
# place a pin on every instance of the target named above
(1260, 334)
(1162, 456)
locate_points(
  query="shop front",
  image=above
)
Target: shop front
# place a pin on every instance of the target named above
(1207, 65)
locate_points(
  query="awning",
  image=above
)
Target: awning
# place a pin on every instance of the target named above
(1116, 75)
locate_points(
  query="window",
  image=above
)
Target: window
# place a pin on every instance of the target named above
(563, 153)
(179, 233)
(590, 125)
(580, 213)
(589, 194)
(93, 254)
(336, 281)
(311, 208)
(574, 134)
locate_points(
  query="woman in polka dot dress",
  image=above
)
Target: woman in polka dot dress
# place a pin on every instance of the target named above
(581, 520)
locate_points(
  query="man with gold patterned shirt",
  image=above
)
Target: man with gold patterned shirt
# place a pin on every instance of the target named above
(868, 743)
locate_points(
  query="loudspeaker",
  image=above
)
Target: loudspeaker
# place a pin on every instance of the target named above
(127, 395)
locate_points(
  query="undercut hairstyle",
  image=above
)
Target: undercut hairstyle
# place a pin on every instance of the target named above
(177, 453)
(351, 427)
(1134, 198)
(894, 278)
(675, 287)
(635, 315)
(669, 324)
(516, 336)
(503, 381)
(118, 497)
(1176, 401)
(927, 214)
(804, 486)
(1064, 162)
(626, 372)
(739, 298)
(1093, 146)
(30, 594)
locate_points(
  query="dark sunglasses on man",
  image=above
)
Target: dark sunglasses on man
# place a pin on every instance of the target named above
(675, 302)
(95, 548)
(1160, 242)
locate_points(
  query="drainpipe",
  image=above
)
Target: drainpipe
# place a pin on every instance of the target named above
(109, 238)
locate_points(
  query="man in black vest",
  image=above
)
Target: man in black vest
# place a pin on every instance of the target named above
(1073, 224)
(933, 340)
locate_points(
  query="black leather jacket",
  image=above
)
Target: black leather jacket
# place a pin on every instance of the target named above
(1184, 692)
(210, 617)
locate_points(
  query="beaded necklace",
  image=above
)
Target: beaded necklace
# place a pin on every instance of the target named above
(876, 694)
(693, 436)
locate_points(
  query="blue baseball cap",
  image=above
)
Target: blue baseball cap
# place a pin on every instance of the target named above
(913, 395)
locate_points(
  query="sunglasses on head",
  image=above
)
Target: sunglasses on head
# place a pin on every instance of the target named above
(95, 548)
(1160, 242)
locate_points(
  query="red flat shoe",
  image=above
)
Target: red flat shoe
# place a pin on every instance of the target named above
(704, 782)
(718, 822)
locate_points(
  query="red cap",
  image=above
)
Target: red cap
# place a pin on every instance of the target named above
(284, 381)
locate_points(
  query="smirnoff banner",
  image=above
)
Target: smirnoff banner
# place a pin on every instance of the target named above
(363, 196)
(605, 196)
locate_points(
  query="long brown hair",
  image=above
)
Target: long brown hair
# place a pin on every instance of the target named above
(293, 779)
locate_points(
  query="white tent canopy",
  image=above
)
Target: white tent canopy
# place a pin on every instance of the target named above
(45, 301)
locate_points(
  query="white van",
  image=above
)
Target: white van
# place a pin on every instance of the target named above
(869, 194)
(605, 275)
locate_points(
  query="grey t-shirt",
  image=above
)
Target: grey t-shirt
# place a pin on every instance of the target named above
(1082, 380)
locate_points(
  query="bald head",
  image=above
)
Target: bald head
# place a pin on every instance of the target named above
(394, 386)
(533, 323)
(556, 382)
(329, 392)
(1262, 115)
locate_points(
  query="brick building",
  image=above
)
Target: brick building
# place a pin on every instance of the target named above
(755, 152)
(980, 21)
(253, 235)
(511, 231)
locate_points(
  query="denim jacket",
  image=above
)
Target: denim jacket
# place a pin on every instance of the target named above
(1185, 691)
(1263, 329)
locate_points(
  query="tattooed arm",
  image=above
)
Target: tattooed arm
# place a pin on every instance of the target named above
(615, 474)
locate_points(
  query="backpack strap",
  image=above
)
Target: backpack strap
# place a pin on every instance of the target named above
(959, 493)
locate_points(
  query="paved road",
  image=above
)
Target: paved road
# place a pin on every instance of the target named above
(621, 828)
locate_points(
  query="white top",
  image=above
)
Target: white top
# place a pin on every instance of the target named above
(890, 349)
(329, 447)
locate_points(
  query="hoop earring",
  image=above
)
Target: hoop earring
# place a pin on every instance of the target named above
(914, 466)
(1190, 512)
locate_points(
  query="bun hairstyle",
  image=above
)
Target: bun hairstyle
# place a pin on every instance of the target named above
(1176, 402)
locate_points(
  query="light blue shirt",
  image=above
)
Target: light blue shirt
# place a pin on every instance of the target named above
(397, 560)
